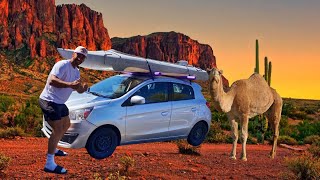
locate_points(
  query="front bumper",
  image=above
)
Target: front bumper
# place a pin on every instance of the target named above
(75, 137)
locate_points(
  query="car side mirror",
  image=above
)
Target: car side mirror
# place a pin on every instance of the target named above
(137, 100)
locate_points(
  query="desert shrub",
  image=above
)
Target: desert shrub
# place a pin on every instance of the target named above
(97, 176)
(127, 162)
(312, 139)
(298, 115)
(311, 111)
(287, 109)
(30, 116)
(11, 132)
(306, 128)
(259, 129)
(5, 102)
(215, 134)
(314, 149)
(304, 167)
(222, 119)
(283, 122)
(116, 176)
(185, 148)
(287, 140)
(4, 162)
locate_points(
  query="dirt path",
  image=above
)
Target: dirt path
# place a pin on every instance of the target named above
(152, 161)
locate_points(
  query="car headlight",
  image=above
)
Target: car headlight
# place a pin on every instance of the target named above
(80, 114)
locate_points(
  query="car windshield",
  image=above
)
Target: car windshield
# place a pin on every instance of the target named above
(115, 86)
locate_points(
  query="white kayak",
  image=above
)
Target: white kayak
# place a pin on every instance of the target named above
(113, 60)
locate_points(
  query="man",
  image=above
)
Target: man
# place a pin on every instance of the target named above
(62, 80)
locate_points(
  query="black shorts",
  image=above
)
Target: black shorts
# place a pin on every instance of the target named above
(53, 111)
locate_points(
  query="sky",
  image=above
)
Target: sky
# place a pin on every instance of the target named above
(288, 32)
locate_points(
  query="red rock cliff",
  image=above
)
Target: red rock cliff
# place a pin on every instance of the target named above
(40, 27)
(167, 46)
(79, 25)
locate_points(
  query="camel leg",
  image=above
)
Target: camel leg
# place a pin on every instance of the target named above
(244, 137)
(274, 123)
(234, 130)
(275, 139)
(274, 116)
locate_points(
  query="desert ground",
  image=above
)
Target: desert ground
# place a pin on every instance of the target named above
(152, 161)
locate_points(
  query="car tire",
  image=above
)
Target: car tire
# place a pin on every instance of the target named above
(197, 134)
(102, 143)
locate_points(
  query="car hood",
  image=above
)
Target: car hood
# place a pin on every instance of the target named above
(77, 101)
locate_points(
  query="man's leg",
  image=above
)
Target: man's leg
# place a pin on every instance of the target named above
(66, 124)
(57, 133)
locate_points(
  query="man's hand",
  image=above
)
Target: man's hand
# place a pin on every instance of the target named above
(56, 82)
(75, 84)
(82, 87)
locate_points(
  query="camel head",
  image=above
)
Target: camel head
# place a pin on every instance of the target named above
(214, 75)
(215, 86)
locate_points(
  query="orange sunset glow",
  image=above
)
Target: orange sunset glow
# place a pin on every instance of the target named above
(287, 30)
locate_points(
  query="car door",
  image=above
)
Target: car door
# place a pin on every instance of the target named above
(150, 120)
(184, 109)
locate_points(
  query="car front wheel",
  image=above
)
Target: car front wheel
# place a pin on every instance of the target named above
(197, 134)
(102, 143)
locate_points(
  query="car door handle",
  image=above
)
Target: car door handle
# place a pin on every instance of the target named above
(193, 109)
(165, 113)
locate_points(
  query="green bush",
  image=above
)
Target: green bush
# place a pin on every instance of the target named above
(287, 140)
(185, 148)
(4, 162)
(11, 132)
(215, 134)
(304, 167)
(287, 109)
(222, 119)
(5, 102)
(259, 129)
(30, 117)
(305, 129)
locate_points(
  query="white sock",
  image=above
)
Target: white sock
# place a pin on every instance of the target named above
(50, 164)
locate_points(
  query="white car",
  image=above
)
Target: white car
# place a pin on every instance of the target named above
(132, 109)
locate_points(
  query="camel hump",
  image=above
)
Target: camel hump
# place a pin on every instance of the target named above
(257, 78)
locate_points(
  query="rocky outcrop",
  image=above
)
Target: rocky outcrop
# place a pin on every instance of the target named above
(40, 27)
(79, 25)
(167, 46)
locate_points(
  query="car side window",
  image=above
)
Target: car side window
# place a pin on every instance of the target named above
(154, 92)
(182, 92)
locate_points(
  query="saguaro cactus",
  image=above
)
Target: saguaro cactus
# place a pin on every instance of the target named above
(266, 69)
(256, 70)
(269, 73)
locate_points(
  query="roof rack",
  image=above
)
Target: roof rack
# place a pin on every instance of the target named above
(157, 73)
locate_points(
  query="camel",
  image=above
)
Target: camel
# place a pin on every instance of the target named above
(245, 99)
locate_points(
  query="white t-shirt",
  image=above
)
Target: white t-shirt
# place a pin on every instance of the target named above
(65, 72)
